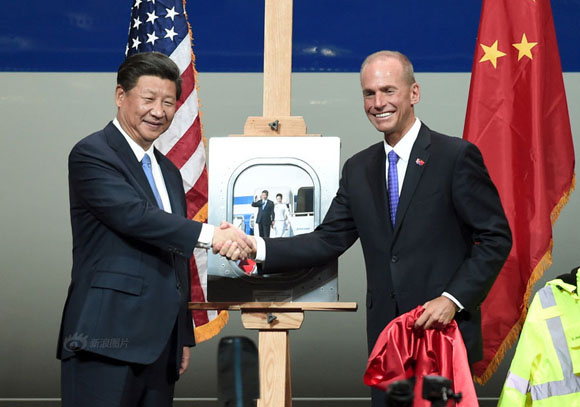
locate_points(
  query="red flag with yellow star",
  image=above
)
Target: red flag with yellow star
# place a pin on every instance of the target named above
(518, 116)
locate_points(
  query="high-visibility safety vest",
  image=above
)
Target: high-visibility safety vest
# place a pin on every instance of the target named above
(545, 370)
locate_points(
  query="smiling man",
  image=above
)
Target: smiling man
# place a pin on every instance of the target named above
(430, 220)
(126, 329)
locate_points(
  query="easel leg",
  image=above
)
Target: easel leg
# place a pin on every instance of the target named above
(288, 398)
(275, 382)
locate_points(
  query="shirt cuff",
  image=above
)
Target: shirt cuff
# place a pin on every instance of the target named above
(455, 300)
(260, 249)
(205, 238)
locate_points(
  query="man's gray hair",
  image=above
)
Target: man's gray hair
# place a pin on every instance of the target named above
(408, 71)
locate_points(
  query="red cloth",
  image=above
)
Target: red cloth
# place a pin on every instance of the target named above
(518, 117)
(248, 266)
(402, 352)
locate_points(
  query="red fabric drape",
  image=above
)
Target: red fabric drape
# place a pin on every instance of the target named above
(402, 352)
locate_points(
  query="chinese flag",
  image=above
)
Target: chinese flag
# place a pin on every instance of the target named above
(518, 116)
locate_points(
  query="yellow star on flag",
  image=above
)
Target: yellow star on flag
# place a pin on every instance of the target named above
(525, 47)
(491, 54)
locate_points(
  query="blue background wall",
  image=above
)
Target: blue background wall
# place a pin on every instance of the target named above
(329, 36)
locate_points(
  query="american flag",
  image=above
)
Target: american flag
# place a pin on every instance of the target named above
(161, 25)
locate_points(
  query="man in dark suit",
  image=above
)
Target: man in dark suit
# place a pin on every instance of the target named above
(430, 220)
(265, 217)
(126, 330)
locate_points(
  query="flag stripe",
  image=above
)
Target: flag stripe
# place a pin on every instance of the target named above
(182, 54)
(197, 196)
(197, 292)
(187, 84)
(191, 170)
(186, 145)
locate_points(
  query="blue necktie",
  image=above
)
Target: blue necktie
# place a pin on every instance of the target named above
(146, 163)
(393, 185)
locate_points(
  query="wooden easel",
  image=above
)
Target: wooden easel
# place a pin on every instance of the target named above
(273, 320)
(276, 119)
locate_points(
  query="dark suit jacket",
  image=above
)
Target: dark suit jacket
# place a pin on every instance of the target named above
(450, 234)
(265, 215)
(130, 274)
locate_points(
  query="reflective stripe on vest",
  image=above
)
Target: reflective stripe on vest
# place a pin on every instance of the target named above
(518, 383)
(571, 383)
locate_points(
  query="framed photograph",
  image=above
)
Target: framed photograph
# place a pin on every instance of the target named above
(272, 187)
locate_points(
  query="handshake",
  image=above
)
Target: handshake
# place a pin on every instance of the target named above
(232, 243)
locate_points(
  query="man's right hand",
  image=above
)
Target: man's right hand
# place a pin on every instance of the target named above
(438, 313)
(232, 243)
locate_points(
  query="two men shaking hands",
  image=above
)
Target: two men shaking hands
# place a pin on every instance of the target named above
(233, 243)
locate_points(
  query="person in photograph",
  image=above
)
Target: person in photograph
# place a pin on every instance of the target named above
(265, 217)
(280, 217)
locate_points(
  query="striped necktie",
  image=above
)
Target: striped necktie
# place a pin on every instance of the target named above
(393, 185)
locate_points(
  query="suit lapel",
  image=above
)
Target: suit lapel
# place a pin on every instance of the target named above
(376, 178)
(417, 164)
(127, 156)
(173, 184)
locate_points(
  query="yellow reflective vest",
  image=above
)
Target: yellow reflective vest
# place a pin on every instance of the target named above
(545, 370)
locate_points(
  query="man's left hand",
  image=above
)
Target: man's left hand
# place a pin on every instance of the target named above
(184, 360)
(438, 313)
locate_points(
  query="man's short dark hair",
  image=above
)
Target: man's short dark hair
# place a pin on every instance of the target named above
(265, 192)
(148, 64)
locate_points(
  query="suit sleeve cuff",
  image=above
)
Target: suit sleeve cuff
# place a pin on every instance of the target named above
(260, 250)
(455, 300)
(205, 238)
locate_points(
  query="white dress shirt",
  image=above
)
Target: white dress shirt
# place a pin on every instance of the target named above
(403, 150)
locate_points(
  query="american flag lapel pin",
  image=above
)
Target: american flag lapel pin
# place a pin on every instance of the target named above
(419, 162)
